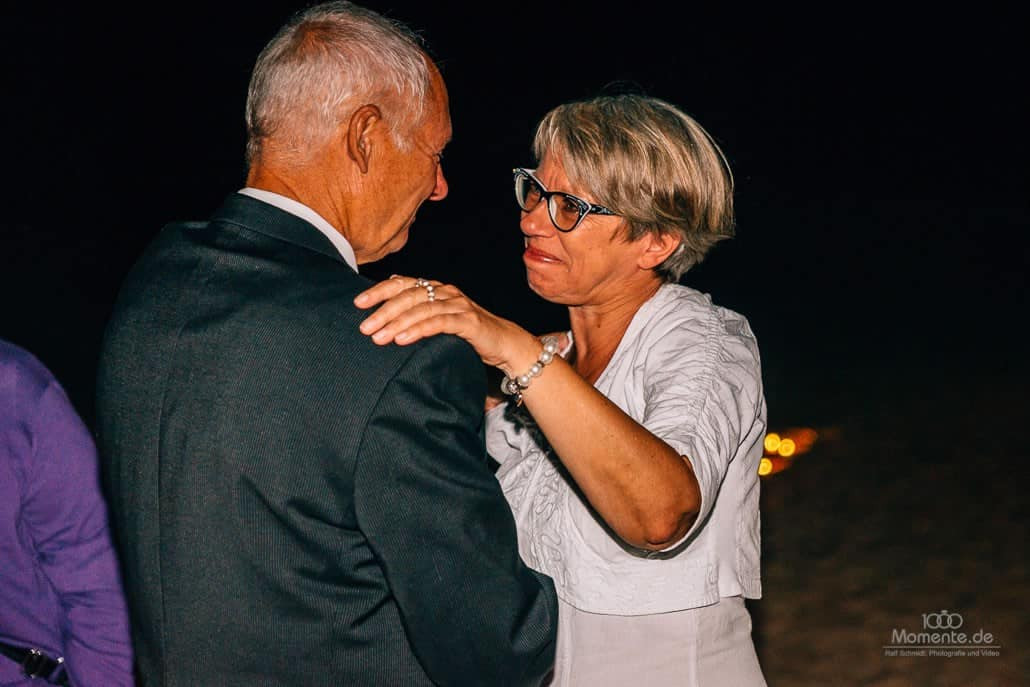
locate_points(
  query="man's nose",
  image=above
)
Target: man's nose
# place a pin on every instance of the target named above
(440, 190)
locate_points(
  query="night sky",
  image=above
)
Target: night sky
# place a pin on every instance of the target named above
(880, 162)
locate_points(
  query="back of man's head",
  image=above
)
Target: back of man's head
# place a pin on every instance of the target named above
(319, 67)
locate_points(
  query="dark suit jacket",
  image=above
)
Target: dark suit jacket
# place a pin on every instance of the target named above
(293, 504)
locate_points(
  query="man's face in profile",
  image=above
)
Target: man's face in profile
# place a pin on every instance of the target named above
(409, 178)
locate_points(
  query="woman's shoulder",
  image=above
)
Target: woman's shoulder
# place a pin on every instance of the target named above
(678, 312)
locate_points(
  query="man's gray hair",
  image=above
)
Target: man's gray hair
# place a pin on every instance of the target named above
(651, 164)
(322, 65)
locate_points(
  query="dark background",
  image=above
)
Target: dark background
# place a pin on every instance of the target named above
(880, 163)
(881, 168)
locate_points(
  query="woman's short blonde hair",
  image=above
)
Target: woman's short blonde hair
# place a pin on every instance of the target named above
(649, 163)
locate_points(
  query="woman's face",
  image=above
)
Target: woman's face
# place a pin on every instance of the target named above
(591, 265)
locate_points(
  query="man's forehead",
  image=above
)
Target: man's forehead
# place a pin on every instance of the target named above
(440, 128)
(438, 93)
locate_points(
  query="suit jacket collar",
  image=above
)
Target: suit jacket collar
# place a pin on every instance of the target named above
(259, 216)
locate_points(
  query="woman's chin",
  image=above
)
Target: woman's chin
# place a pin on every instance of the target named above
(543, 287)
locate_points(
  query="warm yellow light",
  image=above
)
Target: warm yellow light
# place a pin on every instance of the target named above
(772, 442)
(765, 467)
(786, 448)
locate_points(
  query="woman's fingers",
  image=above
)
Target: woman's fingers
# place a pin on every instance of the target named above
(384, 290)
(407, 315)
(411, 306)
(413, 309)
(443, 323)
(419, 322)
(389, 288)
(401, 300)
(393, 308)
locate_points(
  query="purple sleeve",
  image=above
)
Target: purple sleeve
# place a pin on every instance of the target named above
(66, 517)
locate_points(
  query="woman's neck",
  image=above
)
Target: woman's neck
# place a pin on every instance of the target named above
(598, 329)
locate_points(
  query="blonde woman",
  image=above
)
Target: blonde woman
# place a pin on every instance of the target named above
(629, 446)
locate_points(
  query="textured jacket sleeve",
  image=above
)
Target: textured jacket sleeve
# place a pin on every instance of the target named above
(66, 518)
(436, 519)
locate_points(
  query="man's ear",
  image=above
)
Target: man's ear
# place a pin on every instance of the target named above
(359, 134)
(657, 248)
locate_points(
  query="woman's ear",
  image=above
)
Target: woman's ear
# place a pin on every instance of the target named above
(359, 134)
(657, 248)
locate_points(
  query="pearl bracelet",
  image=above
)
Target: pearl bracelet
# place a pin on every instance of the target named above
(515, 387)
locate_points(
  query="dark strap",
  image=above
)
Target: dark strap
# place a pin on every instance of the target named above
(34, 663)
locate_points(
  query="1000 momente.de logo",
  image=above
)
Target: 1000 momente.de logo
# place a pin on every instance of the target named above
(943, 634)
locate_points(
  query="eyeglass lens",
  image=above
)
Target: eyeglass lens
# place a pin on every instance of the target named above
(563, 209)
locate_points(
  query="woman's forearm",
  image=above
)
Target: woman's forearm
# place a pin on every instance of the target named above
(638, 484)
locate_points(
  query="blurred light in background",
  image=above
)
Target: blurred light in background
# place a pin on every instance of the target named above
(781, 448)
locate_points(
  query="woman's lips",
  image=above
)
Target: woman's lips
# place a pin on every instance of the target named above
(538, 255)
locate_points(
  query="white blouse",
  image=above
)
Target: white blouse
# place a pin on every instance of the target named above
(689, 372)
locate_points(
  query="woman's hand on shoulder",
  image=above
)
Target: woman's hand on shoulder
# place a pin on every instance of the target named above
(411, 309)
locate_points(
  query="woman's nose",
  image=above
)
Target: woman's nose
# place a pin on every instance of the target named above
(536, 222)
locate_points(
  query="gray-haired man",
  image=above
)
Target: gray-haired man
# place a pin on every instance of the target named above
(294, 504)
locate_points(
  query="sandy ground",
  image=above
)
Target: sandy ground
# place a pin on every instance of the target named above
(918, 505)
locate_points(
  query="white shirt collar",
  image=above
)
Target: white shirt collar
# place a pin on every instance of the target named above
(307, 214)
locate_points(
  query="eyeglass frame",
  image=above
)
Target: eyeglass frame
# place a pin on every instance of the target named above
(585, 207)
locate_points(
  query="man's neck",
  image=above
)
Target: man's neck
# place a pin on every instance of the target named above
(303, 188)
(326, 217)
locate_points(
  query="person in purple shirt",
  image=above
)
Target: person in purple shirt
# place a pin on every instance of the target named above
(62, 611)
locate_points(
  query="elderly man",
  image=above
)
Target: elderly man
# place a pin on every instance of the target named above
(294, 504)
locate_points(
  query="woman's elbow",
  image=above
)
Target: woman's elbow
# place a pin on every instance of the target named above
(667, 515)
(670, 522)
(662, 532)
